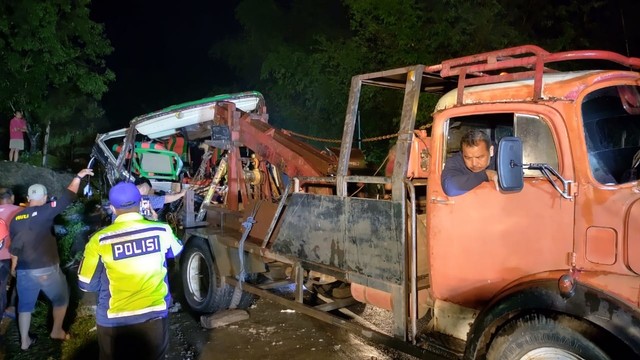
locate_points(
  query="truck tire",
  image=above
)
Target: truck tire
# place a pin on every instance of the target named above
(203, 290)
(544, 337)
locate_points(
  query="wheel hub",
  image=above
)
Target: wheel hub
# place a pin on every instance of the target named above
(544, 353)
(198, 277)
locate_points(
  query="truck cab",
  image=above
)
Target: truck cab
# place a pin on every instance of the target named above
(563, 243)
(544, 267)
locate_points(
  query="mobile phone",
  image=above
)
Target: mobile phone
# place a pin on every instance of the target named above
(145, 206)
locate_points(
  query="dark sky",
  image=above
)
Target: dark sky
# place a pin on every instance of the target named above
(160, 55)
(161, 51)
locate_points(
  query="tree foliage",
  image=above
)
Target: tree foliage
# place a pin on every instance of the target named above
(54, 68)
(302, 55)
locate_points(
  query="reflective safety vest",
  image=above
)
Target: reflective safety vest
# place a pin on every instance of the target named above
(126, 264)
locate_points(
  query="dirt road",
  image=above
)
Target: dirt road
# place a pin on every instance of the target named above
(271, 332)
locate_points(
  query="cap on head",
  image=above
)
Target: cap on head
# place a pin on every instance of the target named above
(37, 192)
(124, 195)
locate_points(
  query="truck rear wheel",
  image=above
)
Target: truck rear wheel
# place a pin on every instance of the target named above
(203, 290)
(543, 337)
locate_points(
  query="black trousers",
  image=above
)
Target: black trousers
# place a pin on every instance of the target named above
(147, 340)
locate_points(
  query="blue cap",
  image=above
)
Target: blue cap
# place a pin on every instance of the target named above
(124, 195)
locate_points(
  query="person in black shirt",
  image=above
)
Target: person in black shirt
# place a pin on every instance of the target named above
(34, 258)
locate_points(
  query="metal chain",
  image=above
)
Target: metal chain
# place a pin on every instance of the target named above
(308, 137)
(377, 138)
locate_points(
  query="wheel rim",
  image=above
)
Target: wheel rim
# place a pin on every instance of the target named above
(550, 353)
(198, 277)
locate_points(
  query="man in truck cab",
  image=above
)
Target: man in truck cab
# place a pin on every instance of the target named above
(470, 167)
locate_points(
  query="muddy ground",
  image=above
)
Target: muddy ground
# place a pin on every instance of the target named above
(272, 332)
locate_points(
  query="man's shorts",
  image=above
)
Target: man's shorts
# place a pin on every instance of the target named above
(17, 144)
(50, 280)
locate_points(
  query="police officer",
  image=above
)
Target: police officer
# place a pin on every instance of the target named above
(125, 263)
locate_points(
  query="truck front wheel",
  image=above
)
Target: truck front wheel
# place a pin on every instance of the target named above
(544, 337)
(203, 290)
(199, 277)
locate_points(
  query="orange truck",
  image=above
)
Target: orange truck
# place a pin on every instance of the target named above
(545, 266)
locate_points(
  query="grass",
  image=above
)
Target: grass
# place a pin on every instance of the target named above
(35, 159)
(82, 345)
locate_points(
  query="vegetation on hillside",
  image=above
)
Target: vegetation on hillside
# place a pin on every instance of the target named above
(54, 69)
(302, 56)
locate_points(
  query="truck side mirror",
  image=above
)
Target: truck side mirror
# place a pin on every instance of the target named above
(509, 164)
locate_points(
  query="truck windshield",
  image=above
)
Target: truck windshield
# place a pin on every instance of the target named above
(611, 118)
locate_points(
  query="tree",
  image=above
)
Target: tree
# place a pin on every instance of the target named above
(54, 68)
(305, 62)
(272, 55)
(303, 55)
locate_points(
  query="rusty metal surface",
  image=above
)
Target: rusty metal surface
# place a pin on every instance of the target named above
(504, 66)
(293, 157)
(352, 234)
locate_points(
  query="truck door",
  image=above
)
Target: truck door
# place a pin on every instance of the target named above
(607, 208)
(482, 240)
